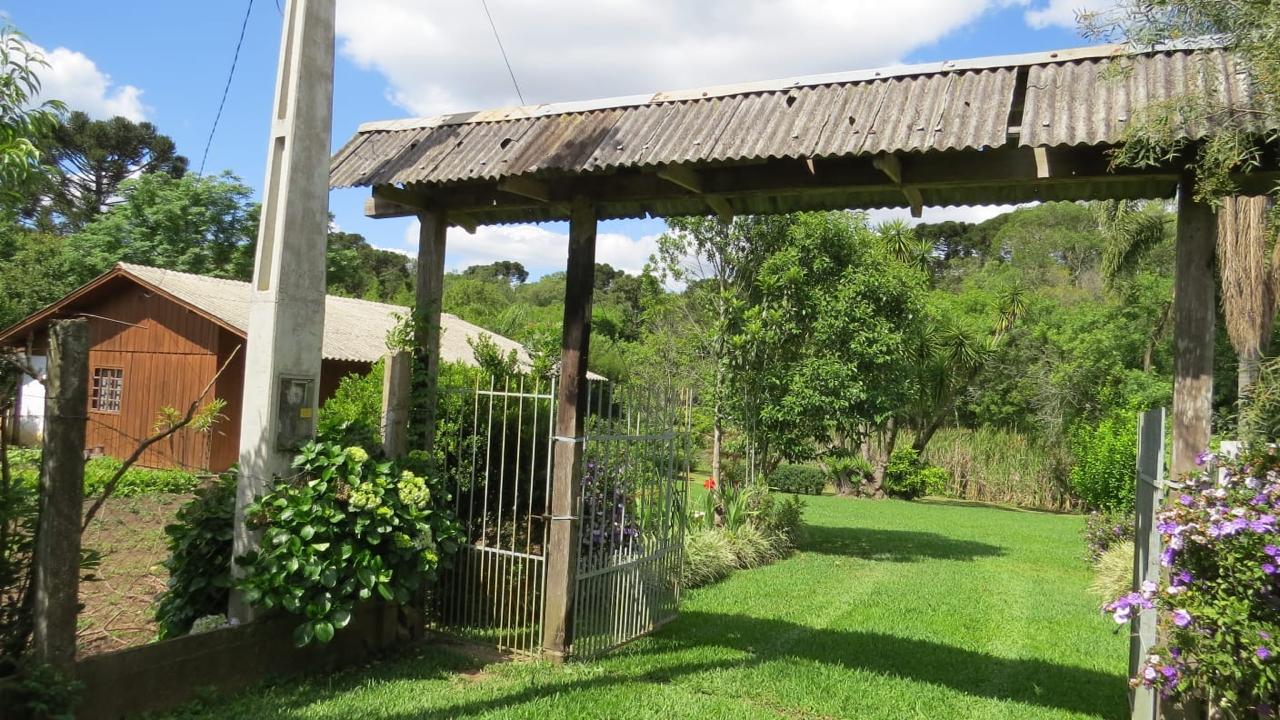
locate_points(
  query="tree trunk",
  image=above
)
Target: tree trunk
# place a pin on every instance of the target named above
(1246, 374)
(925, 435)
(717, 437)
(875, 487)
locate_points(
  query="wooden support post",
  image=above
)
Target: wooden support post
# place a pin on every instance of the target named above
(396, 391)
(430, 296)
(57, 557)
(562, 551)
(1194, 314)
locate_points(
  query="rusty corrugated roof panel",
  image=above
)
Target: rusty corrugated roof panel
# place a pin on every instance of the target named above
(1090, 102)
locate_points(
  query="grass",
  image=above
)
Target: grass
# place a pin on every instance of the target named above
(890, 609)
(990, 465)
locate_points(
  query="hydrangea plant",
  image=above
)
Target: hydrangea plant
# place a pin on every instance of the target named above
(346, 528)
(1219, 597)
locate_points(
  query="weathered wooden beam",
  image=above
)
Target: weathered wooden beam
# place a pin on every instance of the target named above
(379, 208)
(526, 187)
(566, 480)
(891, 166)
(397, 389)
(1194, 314)
(687, 178)
(427, 307)
(57, 554)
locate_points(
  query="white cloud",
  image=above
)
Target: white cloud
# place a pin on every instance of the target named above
(76, 80)
(539, 249)
(441, 57)
(1064, 13)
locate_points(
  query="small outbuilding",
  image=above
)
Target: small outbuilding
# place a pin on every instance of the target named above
(157, 339)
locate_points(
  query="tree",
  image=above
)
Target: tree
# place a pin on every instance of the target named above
(357, 269)
(719, 261)
(830, 317)
(91, 158)
(23, 126)
(198, 224)
(508, 271)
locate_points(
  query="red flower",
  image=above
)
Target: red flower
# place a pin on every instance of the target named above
(710, 484)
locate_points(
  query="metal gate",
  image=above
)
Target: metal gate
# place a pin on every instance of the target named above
(632, 510)
(496, 437)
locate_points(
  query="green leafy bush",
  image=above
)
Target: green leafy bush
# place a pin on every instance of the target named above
(1106, 454)
(907, 478)
(798, 479)
(353, 415)
(770, 530)
(1103, 530)
(1113, 572)
(346, 529)
(98, 471)
(783, 519)
(199, 561)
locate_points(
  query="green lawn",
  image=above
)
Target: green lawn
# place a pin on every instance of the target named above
(891, 610)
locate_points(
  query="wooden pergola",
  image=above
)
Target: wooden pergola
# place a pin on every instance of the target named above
(984, 131)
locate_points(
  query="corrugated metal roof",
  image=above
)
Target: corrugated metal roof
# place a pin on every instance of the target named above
(353, 329)
(1073, 97)
(1090, 102)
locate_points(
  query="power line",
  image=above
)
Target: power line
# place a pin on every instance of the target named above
(503, 50)
(235, 58)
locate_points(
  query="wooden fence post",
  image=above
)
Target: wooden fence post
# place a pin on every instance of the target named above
(57, 556)
(1146, 550)
(430, 294)
(396, 389)
(562, 550)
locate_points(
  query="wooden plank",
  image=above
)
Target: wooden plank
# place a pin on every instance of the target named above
(562, 549)
(526, 187)
(397, 388)
(1194, 314)
(430, 293)
(1147, 545)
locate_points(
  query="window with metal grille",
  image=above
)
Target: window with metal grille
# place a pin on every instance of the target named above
(108, 386)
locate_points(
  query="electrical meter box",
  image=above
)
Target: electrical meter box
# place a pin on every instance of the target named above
(296, 412)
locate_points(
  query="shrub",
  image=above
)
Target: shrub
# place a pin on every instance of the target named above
(199, 561)
(798, 479)
(136, 480)
(353, 415)
(346, 529)
(1103, 530)
(907, 478)
(1216, 601)
(1113, 572)
(1103, 476)
(783, 519)
(708, 556)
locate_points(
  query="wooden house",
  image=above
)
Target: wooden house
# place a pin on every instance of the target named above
(157, 339)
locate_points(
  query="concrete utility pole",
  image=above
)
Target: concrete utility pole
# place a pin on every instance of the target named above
(286, 308)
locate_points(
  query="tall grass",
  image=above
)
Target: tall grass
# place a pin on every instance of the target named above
(998, 466)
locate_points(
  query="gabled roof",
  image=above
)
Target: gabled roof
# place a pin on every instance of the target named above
(354, 330)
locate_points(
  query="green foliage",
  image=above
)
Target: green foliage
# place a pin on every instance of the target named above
(1104, 530)
(1260, 417)
(200, 224)
(42, 692)
(798, 479)
(757, 528)
(354, 268)
(353, 414)
(907, 478)
(98, 471)
(24, 122)
(1106, 455)
(18, 512)
(345, 529)
(199, 562)
(1000, 466)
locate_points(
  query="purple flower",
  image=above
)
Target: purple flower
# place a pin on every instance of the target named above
(1271, 550)
(1269, 568)
(1167, 557)
(1181, 618)
(1186, 500)
(1203, 457)
(1263, 653)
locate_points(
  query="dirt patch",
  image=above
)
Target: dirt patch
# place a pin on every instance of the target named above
(129, 532)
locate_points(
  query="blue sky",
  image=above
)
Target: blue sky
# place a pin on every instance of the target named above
(167, 62)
